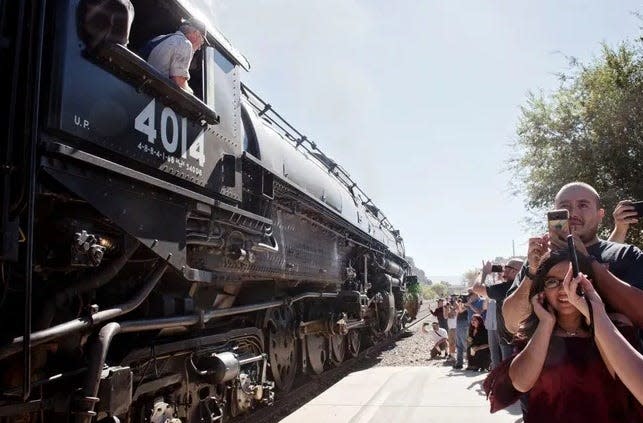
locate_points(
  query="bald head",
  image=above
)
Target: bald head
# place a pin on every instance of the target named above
(585, 213)
(510, 269)
(578, 186)
(515, 262)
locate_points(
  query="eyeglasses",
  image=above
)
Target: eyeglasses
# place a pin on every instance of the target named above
(552, 283)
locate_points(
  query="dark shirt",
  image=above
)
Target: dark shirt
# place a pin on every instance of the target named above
(498, 292)
(463, 318)
(481, 337)
(625, 262)
(439, 314)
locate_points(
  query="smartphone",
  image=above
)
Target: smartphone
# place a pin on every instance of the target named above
(574, 259)
(558, 223)
(638, 206)
(496, 268)
(572, 255)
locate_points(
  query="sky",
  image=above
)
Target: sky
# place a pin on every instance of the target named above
(419, 100)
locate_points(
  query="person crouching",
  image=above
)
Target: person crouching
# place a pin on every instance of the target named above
(438, 337)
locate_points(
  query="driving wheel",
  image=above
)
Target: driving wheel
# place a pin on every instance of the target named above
(282, 347)
(317, 346)
(354, 342)
(337, 348)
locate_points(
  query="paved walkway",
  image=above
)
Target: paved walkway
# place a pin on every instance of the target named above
(404, 394)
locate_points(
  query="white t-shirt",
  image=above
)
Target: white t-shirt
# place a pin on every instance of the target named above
(436, 336)
(452, 322)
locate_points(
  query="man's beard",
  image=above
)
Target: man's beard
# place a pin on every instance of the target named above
(588, 236)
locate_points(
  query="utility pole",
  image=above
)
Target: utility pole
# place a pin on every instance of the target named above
(513, 248)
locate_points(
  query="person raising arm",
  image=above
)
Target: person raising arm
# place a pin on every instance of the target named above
(623, 358)
(525, 369)
(516, 306)
(624, 215)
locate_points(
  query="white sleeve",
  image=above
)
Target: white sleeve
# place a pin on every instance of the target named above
(181, 58)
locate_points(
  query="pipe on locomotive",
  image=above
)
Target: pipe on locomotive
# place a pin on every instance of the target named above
(94, 282)
(388, 266)
(85, 404)
(72, 326)
(82, 323)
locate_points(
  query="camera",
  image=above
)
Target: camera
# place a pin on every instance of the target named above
(496, 268)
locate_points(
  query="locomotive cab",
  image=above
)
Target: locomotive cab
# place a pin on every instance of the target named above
(118, 43)
(105, 93)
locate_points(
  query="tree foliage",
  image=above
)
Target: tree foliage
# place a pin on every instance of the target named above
(589, 130)
(469, 277)
(437, 290)
(422, 279)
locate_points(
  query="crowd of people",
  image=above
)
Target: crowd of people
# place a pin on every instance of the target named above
(565, 341)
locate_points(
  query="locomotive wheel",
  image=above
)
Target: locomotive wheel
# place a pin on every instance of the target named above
(354, 342)
(337, 348)
(282, 348)
(317, 346)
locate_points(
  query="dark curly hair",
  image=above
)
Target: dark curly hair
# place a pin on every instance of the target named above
(549, 260)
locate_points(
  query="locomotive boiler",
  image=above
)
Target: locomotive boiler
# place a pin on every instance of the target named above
(168, 257)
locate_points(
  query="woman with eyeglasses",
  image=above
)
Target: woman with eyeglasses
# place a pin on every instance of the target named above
(565, 372)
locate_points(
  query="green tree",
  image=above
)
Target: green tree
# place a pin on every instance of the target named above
(589, 130)
(469, 277)
(418, 272)
(437, 290)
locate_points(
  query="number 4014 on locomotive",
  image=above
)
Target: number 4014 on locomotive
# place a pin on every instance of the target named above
(167, 256)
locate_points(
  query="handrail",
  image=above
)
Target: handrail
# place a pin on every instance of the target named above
(289, 132)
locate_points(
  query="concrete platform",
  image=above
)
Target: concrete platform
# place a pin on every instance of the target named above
(404, 394)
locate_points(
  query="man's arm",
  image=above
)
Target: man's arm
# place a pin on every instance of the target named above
(624, 216)
(479, 286)
(516, 306)
(620, 295)
(182, 82)
(180, 65)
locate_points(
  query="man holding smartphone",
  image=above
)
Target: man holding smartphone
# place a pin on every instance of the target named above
(621, 286)
(499, 339)
(440, 314)
(625, 214)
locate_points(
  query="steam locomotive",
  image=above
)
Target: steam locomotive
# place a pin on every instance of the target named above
(168, 257)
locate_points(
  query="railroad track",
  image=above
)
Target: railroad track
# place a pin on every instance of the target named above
(313, 385)
(418, 320)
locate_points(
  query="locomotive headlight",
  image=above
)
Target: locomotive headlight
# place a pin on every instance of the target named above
(107, 243)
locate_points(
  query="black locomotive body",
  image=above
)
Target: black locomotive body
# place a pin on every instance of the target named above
(168, 256)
